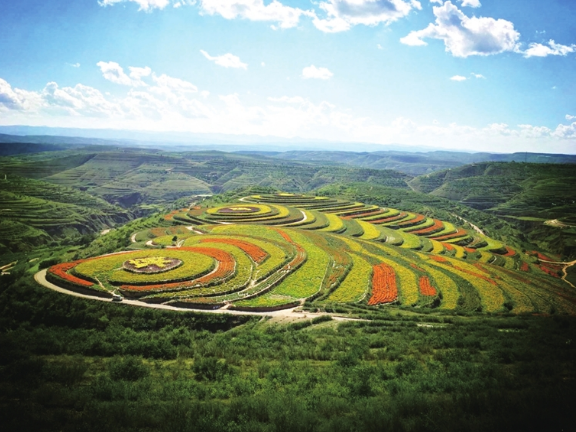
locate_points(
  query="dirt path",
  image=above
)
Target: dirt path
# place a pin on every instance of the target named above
(133, 238)
(565, 267)
(8, 266)
(40, 278)
(195, 231)
(557, 224)
(106, 231)
(474, 227)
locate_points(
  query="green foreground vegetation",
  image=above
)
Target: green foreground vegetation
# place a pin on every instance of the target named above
(68, 364)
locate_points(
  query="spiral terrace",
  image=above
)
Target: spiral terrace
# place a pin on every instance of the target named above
(286, 249)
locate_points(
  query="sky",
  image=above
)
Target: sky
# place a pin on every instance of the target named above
(474, 75)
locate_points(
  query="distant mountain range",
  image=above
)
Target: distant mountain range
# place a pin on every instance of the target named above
(414, 161)
(200, 141)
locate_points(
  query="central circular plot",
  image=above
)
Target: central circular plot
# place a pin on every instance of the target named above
(239, 209)
(151, 265)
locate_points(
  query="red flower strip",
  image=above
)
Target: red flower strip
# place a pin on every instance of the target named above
(61, 270)
(257, 254)
(426, 289)
(438, 225)
(384, 288)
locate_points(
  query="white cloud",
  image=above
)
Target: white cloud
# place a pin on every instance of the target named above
(316, 72)
(74, 65)
(226, 60)
(458, 78)
(137, 73)
(565, 132)
(79, 100)
(570, 117)
(343, 14)
(539, 50)
(164, 81)
(145, 5)
(379, 46)
(464, 36)
(17, 99)
(479, 76)
(289, 100)
(255, 10)
(113, 72)
(471, 3)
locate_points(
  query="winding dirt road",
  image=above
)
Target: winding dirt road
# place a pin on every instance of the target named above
(566, 266)
(474, 227)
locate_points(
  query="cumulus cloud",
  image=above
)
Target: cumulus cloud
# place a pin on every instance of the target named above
(565, 131)
(16, 99)
(343, 14)
(479, 76)
(570, 117)
(79, 100)
(331, 16)
(226, 60)
(145, 5)
(137, 73)
(539, 50)
(458, 78)
(165, 81)
(316, 72)
(288, 99)
(113, 72)
(464, 36)
(471, 3)
(255, 10)
(562, 132)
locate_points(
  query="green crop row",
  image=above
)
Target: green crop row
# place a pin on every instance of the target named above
(356, 283)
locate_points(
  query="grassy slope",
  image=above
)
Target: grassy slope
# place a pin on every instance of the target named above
(518, 189)
(33, 211)
(132, 176)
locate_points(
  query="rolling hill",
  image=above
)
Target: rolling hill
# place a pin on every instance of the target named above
(34, 212)
(129, 177)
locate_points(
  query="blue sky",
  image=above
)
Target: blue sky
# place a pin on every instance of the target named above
(481, 75)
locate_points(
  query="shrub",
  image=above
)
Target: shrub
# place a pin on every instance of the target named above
(48, 263)
(211, 368)
(129, 368)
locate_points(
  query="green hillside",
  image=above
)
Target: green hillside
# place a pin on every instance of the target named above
(33, 212)
(130, 177)
(535, 190)
(538, 199)
(416, 163)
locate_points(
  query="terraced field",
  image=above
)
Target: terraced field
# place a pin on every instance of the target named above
(272, 252)
(33, 212)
